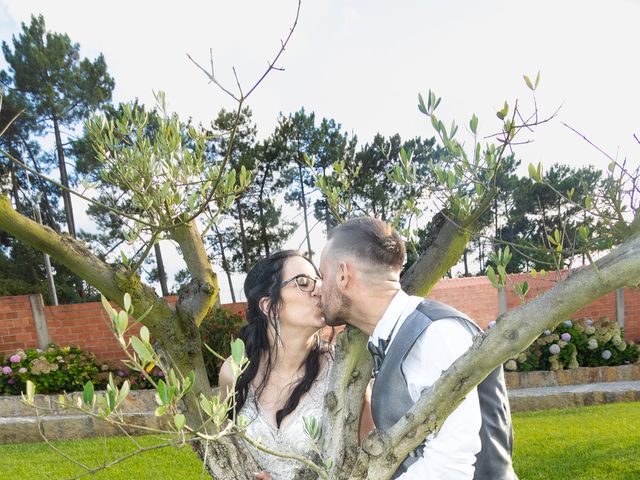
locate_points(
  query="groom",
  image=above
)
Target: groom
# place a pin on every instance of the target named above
(413, 341)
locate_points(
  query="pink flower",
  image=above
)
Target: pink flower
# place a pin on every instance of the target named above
(7, 370)
(11, 381)
(22, 370)
(15, 358)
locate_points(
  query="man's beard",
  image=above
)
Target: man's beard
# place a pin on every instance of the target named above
(341, 314)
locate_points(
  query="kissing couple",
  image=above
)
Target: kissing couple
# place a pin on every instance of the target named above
(412, 341)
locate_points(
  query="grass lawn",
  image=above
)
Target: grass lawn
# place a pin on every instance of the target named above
(586, 443)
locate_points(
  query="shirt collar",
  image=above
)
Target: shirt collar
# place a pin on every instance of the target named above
(391, 315)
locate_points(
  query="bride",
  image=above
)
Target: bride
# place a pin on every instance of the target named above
(286, 378)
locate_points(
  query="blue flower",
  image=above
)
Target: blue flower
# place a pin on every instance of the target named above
(588, 322)
(491, 324)
(547, 333)
(568, 323)
(554, 349)
(606, 354)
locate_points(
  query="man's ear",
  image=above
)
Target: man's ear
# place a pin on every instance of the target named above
(344, 275)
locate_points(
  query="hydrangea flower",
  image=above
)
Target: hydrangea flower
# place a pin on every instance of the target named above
(11, 381)
(22, 370)
(590, 330)
(511, 365)
(593, 344)
(547, 333)
(491, 324)
(616, 340)
(606, 354)
(7, 370)
(15, 358)
(568, 323)
(554, 349)
(566, 336)
(588, 322)
(161, 374)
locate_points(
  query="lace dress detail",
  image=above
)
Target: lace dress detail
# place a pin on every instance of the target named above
(291, 437)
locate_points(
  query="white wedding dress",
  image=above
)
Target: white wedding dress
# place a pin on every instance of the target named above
(291, 438)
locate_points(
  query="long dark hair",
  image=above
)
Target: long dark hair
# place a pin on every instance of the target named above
(263, 280)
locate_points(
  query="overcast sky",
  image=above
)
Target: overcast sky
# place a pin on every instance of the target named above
(363, 62)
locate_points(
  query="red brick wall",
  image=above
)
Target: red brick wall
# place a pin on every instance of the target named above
(471, 295)
(86, 325)
(17, 329)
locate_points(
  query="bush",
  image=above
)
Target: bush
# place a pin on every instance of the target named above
(577, 343)
(53, 370)
(217, 330)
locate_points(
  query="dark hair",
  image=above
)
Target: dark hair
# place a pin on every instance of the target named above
(369, 239)
(263, 280)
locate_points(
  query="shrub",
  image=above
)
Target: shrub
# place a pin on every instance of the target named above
(577, 343)
(217, 330)
(53, 370)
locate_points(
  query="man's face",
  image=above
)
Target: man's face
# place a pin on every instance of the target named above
(335, 304)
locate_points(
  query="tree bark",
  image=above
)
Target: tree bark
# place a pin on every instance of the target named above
(263, 220)
(162, 274)
(225, 263)
(243, 237)
(64, 180)
(303, 200)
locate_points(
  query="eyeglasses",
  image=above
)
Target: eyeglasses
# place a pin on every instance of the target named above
(304, 282)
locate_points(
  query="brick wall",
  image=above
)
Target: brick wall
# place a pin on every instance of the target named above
(17, 328)
(86, 325)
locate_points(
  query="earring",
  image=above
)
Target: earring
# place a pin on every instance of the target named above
(277, 326)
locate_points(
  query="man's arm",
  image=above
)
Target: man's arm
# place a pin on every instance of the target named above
(450, 454)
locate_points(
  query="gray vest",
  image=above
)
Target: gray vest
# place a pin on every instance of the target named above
(390, 398)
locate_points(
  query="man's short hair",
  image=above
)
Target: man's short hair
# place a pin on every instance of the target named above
(368, 239)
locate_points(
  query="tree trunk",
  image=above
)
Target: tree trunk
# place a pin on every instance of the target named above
(243, 237)
(49, 217)
(263, 220)
(64, 180)
(466, 263)
(225, 263)
(162, 274)
(303, 200)
(15, 188)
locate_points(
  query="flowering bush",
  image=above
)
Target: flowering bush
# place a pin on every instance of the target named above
(577, 343)
(53, 370)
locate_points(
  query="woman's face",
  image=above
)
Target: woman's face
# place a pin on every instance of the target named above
(300, 307)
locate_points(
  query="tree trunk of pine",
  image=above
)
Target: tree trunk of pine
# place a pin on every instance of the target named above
(466, 264)
(162, 274)
(49, 217)
(15, 188)
(303, 200)
(263, 220)
(243, 237)
(225, 263)
(64, 180)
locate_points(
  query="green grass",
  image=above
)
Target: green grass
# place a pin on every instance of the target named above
(586, 443)
(601, 442)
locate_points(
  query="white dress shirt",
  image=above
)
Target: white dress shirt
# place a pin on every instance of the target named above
(450, 453)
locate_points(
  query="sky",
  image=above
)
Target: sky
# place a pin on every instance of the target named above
(363, 63)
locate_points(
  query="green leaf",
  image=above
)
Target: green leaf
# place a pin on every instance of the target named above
(123, 321)
(124, 391)
(179, 420)
(161, 410)
(525, 287)
(537, 80)
(588, 202)
(127, 301)
(473, 124)
(503, 274)
(163, 393)
(144, 334)
(492, 276)
(237, 351)
(189, 381)
(533, 173)
(583, 233)
(421, 105)
(528, 82)
(141, 350)
(108, 308)
(87, 393)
